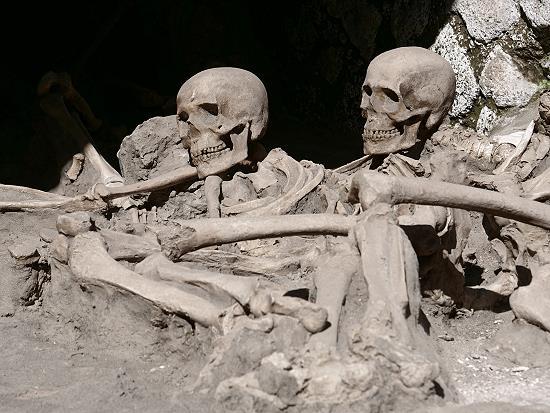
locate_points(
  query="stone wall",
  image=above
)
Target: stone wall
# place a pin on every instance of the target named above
(500, 51)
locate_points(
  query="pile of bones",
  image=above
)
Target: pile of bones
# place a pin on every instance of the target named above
(214, 228)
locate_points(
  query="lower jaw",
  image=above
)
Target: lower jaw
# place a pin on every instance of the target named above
(224, 161)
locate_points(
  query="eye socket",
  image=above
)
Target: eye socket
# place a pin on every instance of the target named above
(391, 94)
(367, 90)
(183, 116)
(211, 108)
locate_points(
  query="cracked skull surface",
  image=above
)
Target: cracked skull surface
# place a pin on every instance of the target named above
(406, 94)
(219, 112)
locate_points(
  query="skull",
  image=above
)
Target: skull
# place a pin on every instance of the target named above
(219, 112)
(406, 94)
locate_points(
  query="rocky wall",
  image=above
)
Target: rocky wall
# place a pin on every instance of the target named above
(500, 52)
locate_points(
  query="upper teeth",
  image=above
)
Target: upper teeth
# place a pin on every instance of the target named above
(202, 151)
(380, 134)
(206, 156)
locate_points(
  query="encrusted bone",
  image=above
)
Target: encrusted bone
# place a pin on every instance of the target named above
(248, 291)
(371, 187)
(34, 194)
(300, 180)
(183, 174)
(390, 268)
(84, 202)
(239, 288)
(212, 189)
(332, 278)
(96, 199)
(90, 261)
(76, 166)
(191, 235)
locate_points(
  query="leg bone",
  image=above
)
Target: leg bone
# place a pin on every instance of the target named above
(90, 261)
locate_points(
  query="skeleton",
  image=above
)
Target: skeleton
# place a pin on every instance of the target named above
(390, 265)
(406, 94)
(506, 161)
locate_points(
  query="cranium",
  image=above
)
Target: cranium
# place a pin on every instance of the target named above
(406, 94)
(219, 112)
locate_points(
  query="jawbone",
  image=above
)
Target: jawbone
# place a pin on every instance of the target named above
(216, 162)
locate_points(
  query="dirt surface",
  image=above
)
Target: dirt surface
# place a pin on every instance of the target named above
(103, 350)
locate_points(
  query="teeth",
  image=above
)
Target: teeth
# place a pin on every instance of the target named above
(206, 156)
(197, 153)
(377, 134)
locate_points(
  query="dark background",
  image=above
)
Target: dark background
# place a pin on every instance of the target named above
(312, 56)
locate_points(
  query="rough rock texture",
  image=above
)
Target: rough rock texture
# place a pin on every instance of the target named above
(151, 150)
(490, 407)
(537, 11)
(486, 121)
(451, 44)
(486, 20)
(502, 80)
(260, 366)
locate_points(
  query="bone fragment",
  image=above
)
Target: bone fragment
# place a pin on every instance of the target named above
(300, 180)
(79, 203)
(390, 268)
(370, 187)
(90, 261)
(129, 247)
(241, 264)
(520, 148)
(312, 316)
(74, 223)
(191, 235)
(212, 189)
(245, 290)
(76, 167)
(177, 176)
(532, 302)
(332, 278)
(240, 289)
(353, 165)
(94, 202)
(35, 194)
